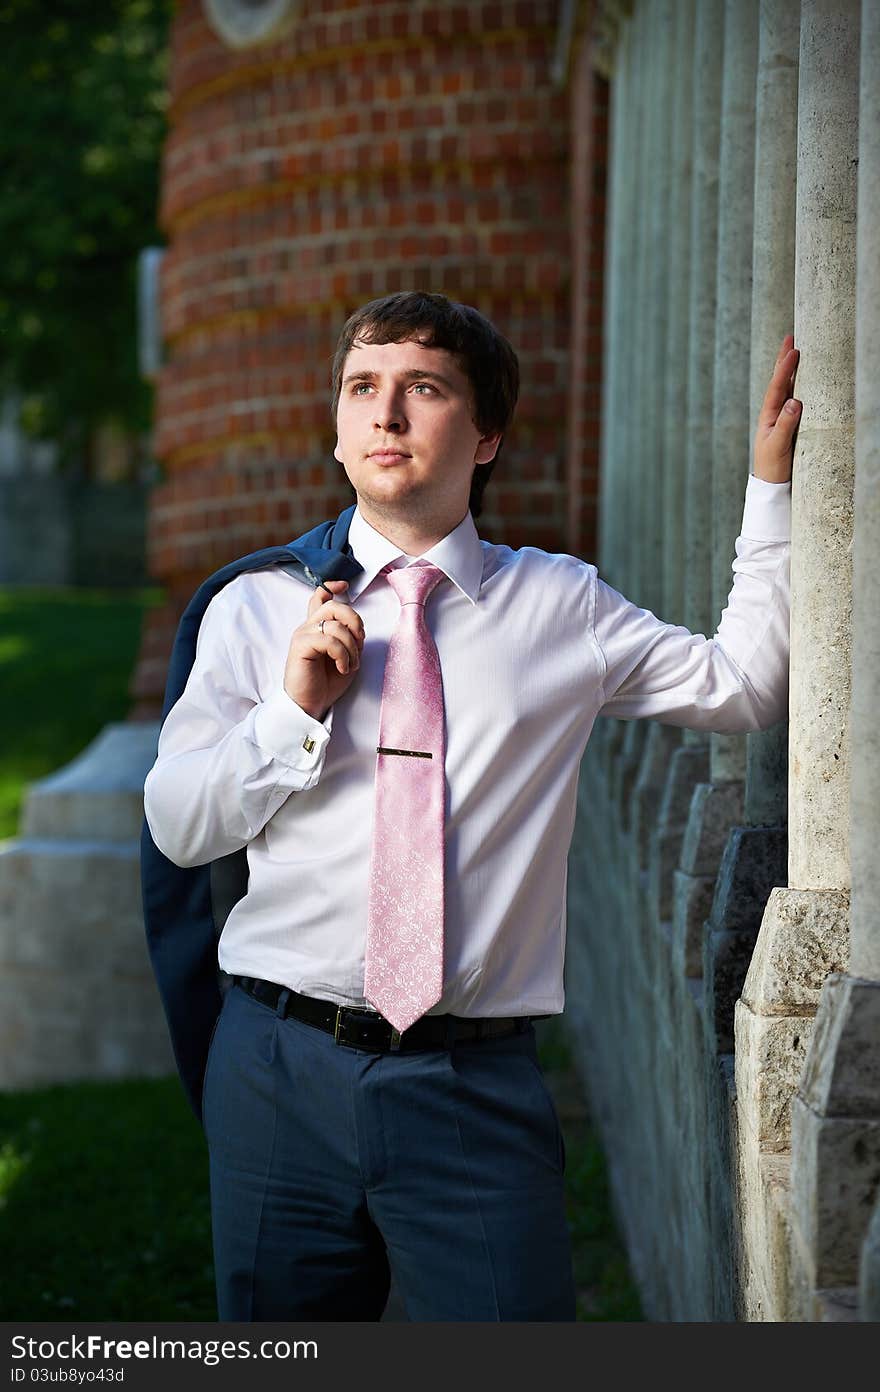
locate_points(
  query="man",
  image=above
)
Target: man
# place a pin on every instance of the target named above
(399, 755)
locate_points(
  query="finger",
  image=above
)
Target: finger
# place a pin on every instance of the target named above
(339, 653)
(780, 388)
(787, 345)
(341, 613)
(325, 592)
(332, 629)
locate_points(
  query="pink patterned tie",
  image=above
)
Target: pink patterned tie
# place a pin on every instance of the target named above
(403, 972)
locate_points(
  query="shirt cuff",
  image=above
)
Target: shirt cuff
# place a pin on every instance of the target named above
(289, 734)
(767, 510)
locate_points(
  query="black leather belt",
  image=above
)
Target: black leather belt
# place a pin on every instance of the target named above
(363, 1029)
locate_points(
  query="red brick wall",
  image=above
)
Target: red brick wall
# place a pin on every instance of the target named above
(589, 144)
(379, 146)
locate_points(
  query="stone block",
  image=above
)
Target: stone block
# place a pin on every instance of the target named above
(663, 858)
(726, 958)
(842, 1073)
(99, 794)
(626, 770)
(770, 1053)
(660, 744)
(763, 1190)
(688, 766)
(77, 993)
(835, 1182)
(869, 1270)
(754, 863)
(837, 1306)
(803, 939)
(692, 903)
(714, 810)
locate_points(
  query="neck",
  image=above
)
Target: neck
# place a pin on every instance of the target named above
(411, 534)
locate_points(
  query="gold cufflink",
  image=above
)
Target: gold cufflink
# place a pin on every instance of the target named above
(308, 744)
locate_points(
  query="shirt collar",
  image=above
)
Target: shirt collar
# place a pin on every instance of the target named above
(459, 555)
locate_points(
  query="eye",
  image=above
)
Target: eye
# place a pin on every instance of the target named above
(422, 387)
(360, 388)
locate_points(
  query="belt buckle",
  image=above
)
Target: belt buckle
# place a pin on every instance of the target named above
(338, 1035)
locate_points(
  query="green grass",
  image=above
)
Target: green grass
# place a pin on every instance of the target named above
(104, 1210)
(66, 659)
(605, 1289)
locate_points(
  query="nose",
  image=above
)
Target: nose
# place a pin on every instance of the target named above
(390, 414)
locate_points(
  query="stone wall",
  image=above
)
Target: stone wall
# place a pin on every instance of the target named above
(56, 530)
(723, 993)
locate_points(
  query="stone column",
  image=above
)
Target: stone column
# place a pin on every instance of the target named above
(805, 932)
(718, 804)
(625, 438)
(658, 740)
(731, 418)
(613, 531)
(708, 65)
(754, 858)
(636, 364)
(772, 314)
(865, 779)
(675, 355)
(639, 432)
(836, 1115)
(612, 537)
(673, 811)
(655, 308)
(693, 881)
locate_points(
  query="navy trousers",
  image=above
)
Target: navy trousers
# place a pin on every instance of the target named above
(332, 1167)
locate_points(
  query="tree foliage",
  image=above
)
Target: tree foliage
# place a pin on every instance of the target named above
(82, 118)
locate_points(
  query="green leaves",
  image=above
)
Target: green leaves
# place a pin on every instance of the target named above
(82, 120)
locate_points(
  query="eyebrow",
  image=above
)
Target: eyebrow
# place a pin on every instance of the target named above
(412, 373)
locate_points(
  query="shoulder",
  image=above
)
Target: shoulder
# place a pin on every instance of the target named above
(545, 577)
(255, 595)
(532, 562)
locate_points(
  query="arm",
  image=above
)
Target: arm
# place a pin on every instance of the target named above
(228, 758)
(739, 680)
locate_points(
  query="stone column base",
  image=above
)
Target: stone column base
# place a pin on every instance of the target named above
(804, 936)
(835, 1146)
(77, 993)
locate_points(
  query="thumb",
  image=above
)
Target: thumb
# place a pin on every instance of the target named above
(787, 422)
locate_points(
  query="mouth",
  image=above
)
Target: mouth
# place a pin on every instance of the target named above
(388, 456)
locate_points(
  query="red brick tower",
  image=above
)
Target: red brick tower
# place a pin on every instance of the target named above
(369, 146)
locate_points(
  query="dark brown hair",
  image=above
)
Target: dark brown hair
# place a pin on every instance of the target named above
(483, 354)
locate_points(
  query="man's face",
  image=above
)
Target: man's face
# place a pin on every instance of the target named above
(405, 432)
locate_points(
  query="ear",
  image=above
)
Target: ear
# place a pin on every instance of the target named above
(487, 449)
(336, 452)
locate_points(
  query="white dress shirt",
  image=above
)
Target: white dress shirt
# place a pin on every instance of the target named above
(533, 647)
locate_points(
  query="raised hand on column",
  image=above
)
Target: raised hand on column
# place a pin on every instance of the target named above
(778, 418)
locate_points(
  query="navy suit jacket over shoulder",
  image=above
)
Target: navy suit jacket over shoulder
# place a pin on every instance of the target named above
(179, 903)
